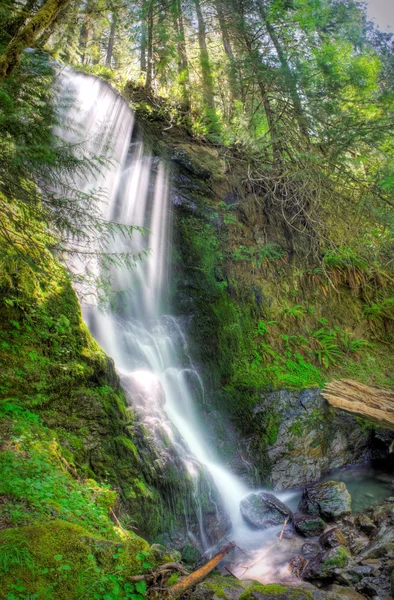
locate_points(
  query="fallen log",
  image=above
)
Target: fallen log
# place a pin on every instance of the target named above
(371, 403)
(186, 582)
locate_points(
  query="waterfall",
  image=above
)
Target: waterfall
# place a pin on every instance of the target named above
(147, 344)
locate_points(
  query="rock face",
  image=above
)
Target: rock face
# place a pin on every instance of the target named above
(329, 499)
(311, 439)
(264, 510)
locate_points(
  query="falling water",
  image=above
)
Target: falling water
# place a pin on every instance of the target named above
(148, 345)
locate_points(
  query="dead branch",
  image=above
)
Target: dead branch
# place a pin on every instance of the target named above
(186, 582)
(283, 529)
(161, 570)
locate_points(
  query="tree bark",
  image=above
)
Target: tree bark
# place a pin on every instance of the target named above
(143, 51)
(186, 582)
(209, 98)
(374, 404)
(183, 63)
(13, 27)
(28, 34)
(149, 66)
(234, 87)
(111, 42)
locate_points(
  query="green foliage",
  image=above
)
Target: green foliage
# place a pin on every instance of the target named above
(43, 210)
(296, 312)
(259, 257)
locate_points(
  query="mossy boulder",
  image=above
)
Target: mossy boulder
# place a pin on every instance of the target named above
(308, 525)
(325, 564)
(330, 499)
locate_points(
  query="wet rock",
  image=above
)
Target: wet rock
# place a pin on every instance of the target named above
(297, 565)
(227, 588)
(375, 586)
(324, 565)
(163, 554)
(264, 510)
(339, 592)
(329, 499)
(310, 550)
(383, 513)
(308, 525)
(381, 546)
(353, 574)
(356, 540)
(190, 554)
(332, 538)
(365, 524)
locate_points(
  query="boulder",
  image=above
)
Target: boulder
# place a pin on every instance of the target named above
(330, 499)
(310, 550)
(325, 564)
(332, 538)
(308, 525)
(190, 554)
(339, 592)
(381, 545)
(264, 510)
(297, 565)
(365, 524)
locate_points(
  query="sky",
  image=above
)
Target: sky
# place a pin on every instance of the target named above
(382, 13)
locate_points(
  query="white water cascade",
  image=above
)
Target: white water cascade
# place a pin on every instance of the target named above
(148, 345)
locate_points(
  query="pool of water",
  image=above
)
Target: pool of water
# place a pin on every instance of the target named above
(367, 484)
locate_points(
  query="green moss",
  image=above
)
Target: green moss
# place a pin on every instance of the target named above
(64, 561)
(339, 560)
(276, 591)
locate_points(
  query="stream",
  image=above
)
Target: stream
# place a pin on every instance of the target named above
(148, 344)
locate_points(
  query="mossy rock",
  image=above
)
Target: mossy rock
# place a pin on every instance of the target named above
(276, 592)
(228, 588)
(61, 560)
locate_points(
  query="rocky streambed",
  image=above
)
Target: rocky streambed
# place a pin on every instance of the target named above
(324, 550)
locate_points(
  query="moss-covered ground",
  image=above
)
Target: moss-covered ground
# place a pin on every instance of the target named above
(74, 489)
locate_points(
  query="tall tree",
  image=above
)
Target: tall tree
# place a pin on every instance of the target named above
(28, 34)
(182, 60)
(206, 70)
(111, 41)
(289, 77)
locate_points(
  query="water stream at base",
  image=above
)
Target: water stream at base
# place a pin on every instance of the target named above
(147, 344)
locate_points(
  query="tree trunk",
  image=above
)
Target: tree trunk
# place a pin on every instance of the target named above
(183, 63)
(374, 404)
(28, 34)
(290, 80)
(209, 98)
(13, 27)
(149, 66)
(143, 52)
(111, 42)
(234, 87)
(272, 128)
(186, 582)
